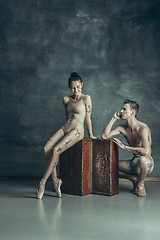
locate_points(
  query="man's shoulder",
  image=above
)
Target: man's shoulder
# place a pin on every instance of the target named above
(142, 125)
(143, 128)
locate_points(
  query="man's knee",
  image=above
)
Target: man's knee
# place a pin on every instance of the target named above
(145, 162)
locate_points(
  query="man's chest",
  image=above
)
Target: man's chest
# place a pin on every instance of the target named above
(133, 138)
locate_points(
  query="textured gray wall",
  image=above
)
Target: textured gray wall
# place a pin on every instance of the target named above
(113, 45)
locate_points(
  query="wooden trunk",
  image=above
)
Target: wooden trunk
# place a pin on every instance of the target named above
(90, 166)
(105, 167)
(76, 168)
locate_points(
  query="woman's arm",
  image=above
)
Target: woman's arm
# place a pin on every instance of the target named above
(88, 105)
(65, 101)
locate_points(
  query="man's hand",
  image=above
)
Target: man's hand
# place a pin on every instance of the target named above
(119, 143)
(117, 116)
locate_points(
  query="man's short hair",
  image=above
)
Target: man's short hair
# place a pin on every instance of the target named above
(133, 105)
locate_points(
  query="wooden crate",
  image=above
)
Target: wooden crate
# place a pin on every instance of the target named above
(76, 168)
(105, 167)
(90, 166)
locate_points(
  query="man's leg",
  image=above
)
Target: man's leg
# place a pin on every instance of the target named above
(125, 172)
(144, 165)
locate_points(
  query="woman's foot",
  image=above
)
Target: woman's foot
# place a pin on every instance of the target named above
(57, 186)
(41, 188)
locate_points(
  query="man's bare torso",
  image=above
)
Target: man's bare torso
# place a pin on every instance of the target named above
(134, 136)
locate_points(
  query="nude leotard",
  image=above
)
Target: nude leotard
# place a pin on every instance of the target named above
(76, 114)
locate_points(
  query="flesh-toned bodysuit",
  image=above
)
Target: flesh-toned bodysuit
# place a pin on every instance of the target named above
(75, 111)
(68, 135)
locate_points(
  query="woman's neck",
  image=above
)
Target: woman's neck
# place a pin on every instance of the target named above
(77, 97)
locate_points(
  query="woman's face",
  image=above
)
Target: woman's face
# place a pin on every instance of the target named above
(76, 87)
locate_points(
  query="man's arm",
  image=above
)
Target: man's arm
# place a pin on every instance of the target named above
(107, 132)
(144, 150)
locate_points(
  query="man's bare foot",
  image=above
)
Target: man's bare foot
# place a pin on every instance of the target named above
(134, 180)
(141, 192)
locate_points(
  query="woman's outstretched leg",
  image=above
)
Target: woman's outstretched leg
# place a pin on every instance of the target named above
(66, 142)
(48, 150)
(51, 143)
(48, 154)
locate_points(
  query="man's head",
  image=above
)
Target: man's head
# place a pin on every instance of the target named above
(130, 108)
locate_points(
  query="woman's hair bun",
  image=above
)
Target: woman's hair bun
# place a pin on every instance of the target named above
(74, 77)
(74, 74)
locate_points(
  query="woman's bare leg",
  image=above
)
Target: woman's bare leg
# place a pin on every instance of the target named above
(48, 154)
(48, 149)
(52, 142)
(65, 142)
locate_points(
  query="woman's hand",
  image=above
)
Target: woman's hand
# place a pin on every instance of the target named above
(93, 137)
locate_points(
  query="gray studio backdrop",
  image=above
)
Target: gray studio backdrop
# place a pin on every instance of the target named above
(113, 45)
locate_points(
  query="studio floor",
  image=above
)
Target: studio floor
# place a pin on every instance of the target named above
(123, 216)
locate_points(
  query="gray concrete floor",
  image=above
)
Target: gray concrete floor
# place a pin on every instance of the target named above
(123, 216)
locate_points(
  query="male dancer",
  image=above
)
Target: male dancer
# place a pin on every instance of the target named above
(138, 136)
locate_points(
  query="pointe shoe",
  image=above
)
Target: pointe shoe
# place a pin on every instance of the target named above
(39, 195)
(141, 192)
(57, 186)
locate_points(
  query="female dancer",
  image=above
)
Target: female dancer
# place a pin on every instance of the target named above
(78, 109)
